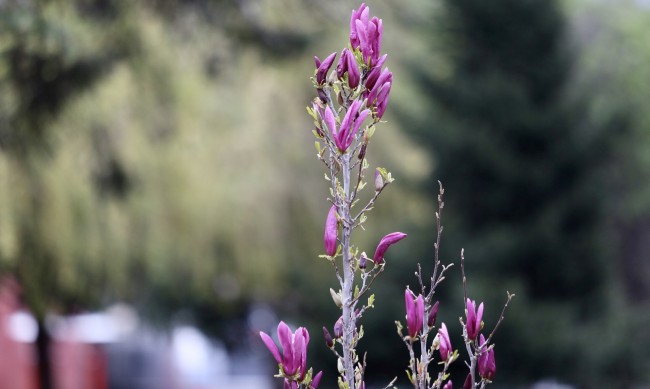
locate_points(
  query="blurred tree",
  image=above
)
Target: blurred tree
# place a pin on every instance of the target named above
(522, 166)
(51, 53)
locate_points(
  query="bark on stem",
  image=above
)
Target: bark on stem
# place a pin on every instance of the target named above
(348, 276)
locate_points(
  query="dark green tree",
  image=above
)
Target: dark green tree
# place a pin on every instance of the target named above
(522, 169)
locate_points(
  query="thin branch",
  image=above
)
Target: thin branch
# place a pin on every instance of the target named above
(462, 270)
(503, 313)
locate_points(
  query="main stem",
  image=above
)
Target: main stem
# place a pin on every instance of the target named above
(348, 277)
(424, 354)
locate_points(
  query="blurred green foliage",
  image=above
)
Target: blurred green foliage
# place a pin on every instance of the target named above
(159, 152)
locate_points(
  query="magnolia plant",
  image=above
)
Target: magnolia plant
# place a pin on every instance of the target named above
(351, 101)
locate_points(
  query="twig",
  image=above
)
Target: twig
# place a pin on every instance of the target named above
(503, 312)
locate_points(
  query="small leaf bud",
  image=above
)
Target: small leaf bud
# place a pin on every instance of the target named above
(379, 180)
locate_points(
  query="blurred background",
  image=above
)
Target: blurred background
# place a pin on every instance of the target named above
(161, 203)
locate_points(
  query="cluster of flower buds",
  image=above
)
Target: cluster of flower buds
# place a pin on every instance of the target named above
(363, 83)
(293, 359)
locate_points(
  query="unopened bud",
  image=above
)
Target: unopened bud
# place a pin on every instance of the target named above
(362, 151)
(328, 338)
(338, 328)
(363, 261)
(379, 180)
(433, 313)
(336, 297)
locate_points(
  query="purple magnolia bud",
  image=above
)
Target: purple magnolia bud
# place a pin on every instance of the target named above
(385, 243)
(382, 99)
(468, 382)
(369, 34)
(487, 367)
(353, 72)
(362, 385)
(447, 385)
(350, 125)
(348, 64)
(342, 66)
(386, 76)
(414, 313)
(474, 318)
(433, 313)
(338, 328)
(373, 75)
(379, 181)
(445, 343)
(331, 231)
(361, 14)
(328, 338)
(316, 380)
(323, 67)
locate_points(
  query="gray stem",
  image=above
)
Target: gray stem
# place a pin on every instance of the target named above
(348, 277)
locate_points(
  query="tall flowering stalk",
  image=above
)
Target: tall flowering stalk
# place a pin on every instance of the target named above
(351, 101)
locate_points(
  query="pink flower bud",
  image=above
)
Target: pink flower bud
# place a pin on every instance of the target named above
(474, 318)
(331, 232)
(338, 328)
(323, 67)
(385, 243)
(445, 343)
(447, 385)
(433, 313)
(414, 313)
(347, 64)
(357, 15)
(487, 367)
